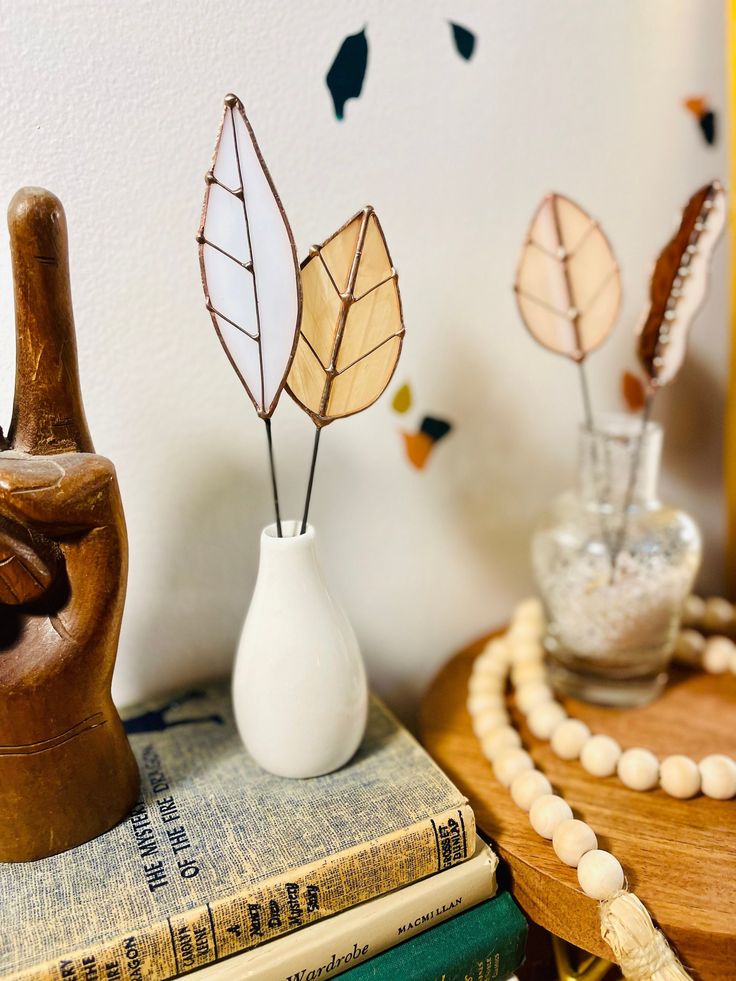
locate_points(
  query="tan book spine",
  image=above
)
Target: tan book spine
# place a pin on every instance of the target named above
(229, 925)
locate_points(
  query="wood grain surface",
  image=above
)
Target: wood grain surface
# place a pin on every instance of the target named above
(67, 773)
(679, 856)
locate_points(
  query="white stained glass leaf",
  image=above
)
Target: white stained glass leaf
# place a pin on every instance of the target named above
(231, 290)
(226, 223)
(249, 266)
(225, 165)
(240, 349)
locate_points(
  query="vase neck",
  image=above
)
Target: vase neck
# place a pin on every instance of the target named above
(293, 554)
(614, 453)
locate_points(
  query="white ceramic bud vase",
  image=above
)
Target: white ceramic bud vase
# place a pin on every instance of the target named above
(299, 689)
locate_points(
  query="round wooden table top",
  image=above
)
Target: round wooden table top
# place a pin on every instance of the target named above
(679, 856)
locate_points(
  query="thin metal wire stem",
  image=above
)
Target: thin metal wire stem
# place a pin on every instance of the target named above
(588, 413)
(274, 485)
(585, 389)
(633, 476)
(315, 449)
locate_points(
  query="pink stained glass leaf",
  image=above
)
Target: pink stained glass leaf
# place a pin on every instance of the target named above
(568, 286)
(250, 272)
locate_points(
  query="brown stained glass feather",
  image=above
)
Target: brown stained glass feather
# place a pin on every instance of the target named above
(678, 285)
(352, 325)
(568, 286)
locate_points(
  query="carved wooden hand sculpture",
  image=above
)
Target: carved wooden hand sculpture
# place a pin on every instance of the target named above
(67, 772)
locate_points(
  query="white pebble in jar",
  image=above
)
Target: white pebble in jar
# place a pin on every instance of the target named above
(568, 739)
(600, 756)
(572, 839)
(679, 777)
(529, 786)
(638, 769)
(547, 812)
(600, 874)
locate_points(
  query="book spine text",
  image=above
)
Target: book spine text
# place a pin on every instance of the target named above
(483, 944)
(227, 926)
(332, 946)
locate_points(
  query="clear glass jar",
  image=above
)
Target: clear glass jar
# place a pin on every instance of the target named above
(613, 578)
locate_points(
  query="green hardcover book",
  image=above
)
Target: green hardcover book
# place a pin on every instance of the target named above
(220, 856)
(484, 944)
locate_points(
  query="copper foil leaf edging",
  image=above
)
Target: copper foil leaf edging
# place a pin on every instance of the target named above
(679, 284)
(250, 272)
(568, 286)
(352, 325)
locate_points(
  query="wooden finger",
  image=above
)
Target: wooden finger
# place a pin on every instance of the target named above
(28, 564)
(48, 414)
(57, 495)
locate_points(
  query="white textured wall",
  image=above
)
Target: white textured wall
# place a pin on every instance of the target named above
(115, 108)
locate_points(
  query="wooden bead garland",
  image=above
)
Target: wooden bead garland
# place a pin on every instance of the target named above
(600, 874)
(625, 923)
(501, 738)
(600, 755)
(547, 812)
(679, 776)
(718, 776)
(529, 786)
(509, 763)
(568, 739)
(717, 613)
(638, 769)
(717, 653)
(572, 839)
(543, 719)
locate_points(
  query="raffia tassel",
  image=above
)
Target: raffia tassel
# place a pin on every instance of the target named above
(641, 950)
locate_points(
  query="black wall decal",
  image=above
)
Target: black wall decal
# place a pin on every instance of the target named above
(464, 41)
(347, 72)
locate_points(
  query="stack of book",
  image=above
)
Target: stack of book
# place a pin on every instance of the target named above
(229, 871)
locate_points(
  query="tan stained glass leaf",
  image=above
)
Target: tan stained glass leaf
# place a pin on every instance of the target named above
(568, 287)
(679, 284)
(352, 326)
